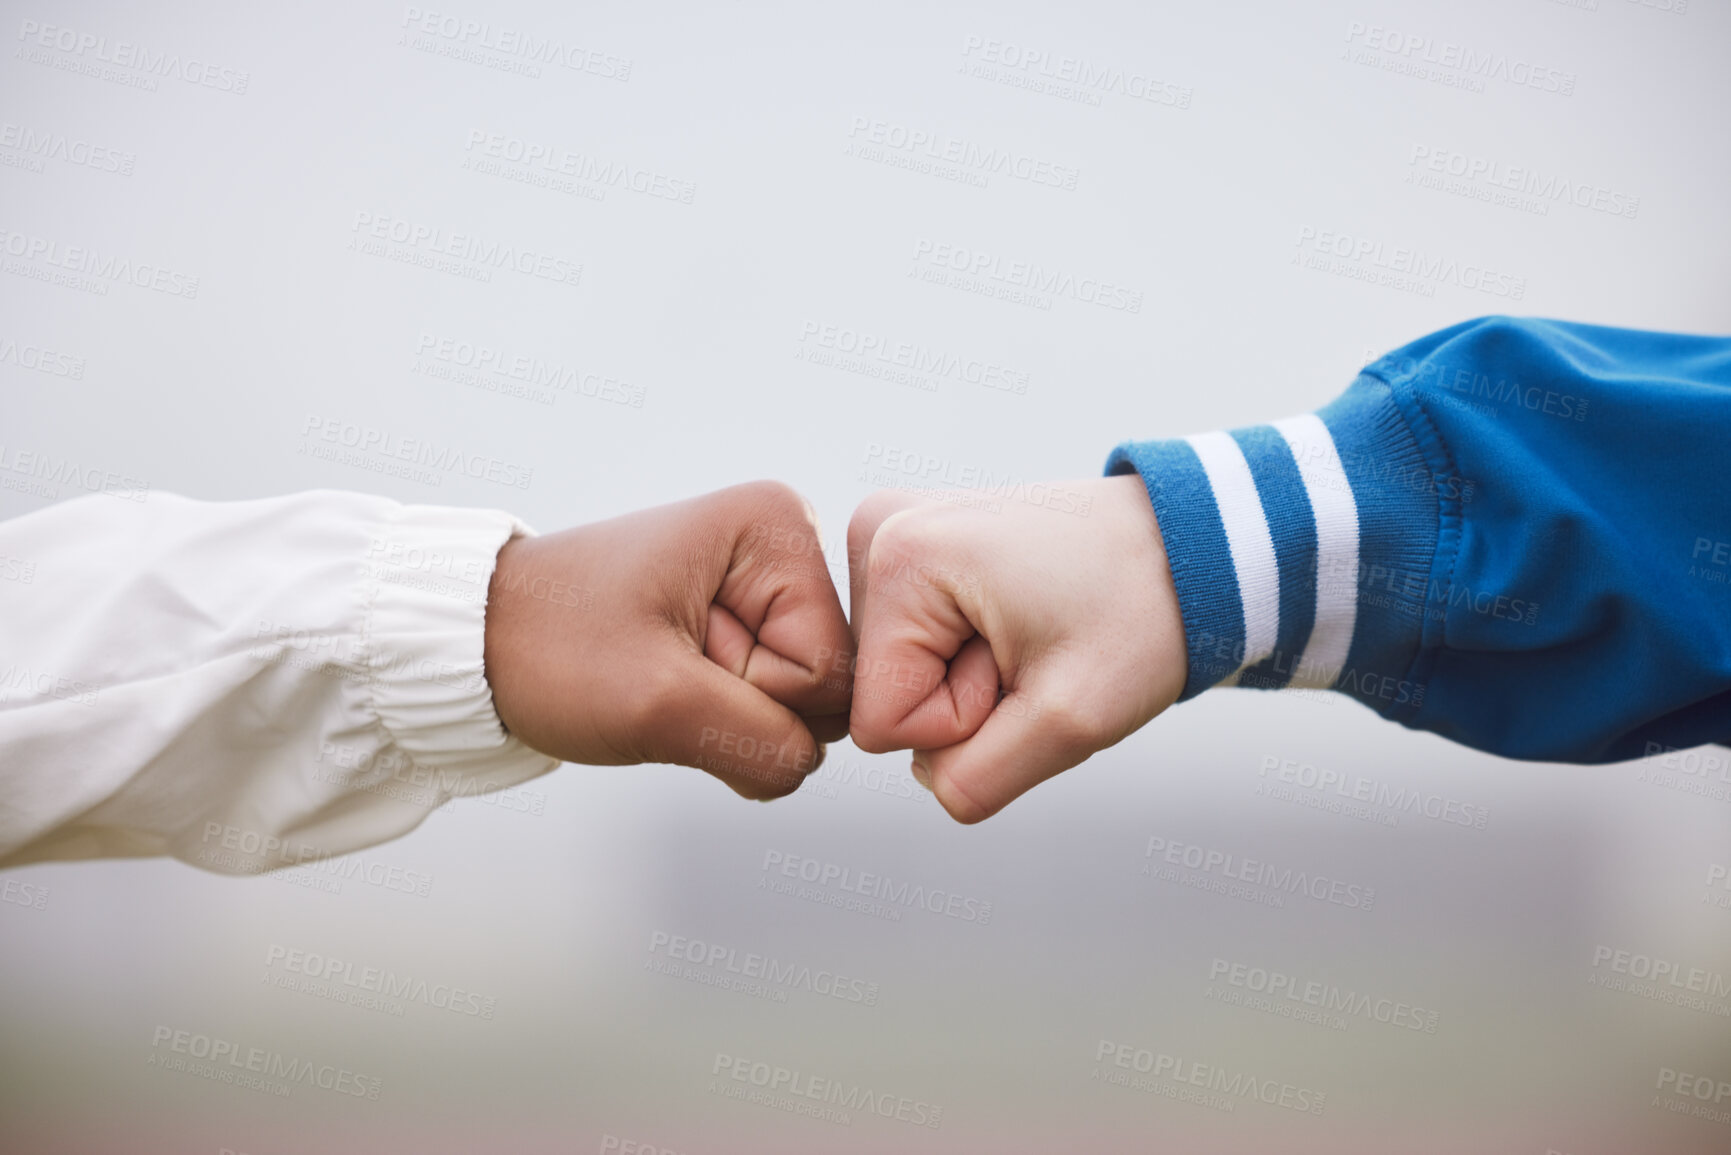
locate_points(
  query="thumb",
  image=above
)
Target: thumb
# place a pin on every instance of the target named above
(1020, 745)
(727, 727)
(925, 675)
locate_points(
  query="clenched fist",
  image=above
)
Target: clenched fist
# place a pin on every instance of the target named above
(698, 633)
(1004, 646)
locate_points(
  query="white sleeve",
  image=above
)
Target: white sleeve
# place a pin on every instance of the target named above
(243, 685)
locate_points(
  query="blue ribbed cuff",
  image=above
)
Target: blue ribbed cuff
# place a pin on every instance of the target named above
(1196, 551)
(1303, 551)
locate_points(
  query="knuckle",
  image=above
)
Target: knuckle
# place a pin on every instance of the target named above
(648, 710)
(872, 741)
(877, 506)
(780, 526)
(776, 501)
(770, 492)
(901, 535)
(867, 517)
(869, 734)
(1073, 724)
(917, 548)
(830, 683)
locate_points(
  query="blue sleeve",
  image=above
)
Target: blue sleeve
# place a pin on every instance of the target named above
(1515, 533)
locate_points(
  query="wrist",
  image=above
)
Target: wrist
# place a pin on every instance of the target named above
(1159, 621)
(501, 651)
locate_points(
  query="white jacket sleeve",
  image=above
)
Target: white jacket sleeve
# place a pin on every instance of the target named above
(243, 685)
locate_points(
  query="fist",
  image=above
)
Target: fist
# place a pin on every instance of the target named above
(1004, 647)
(702, 633)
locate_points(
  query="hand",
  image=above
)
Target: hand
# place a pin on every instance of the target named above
(1066, 610)
(701, 633)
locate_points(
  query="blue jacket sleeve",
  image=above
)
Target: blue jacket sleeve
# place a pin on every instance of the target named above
(1514, 533)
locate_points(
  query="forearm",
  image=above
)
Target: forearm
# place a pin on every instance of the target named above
(1487, 536)
(247, 684)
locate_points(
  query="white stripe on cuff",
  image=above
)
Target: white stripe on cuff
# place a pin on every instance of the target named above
(1331, 501)
(1247, 538)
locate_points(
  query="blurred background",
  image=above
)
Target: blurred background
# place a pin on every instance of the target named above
(642, 251)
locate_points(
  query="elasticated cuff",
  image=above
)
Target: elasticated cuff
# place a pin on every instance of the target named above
(1303, 550)
(428, 570)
